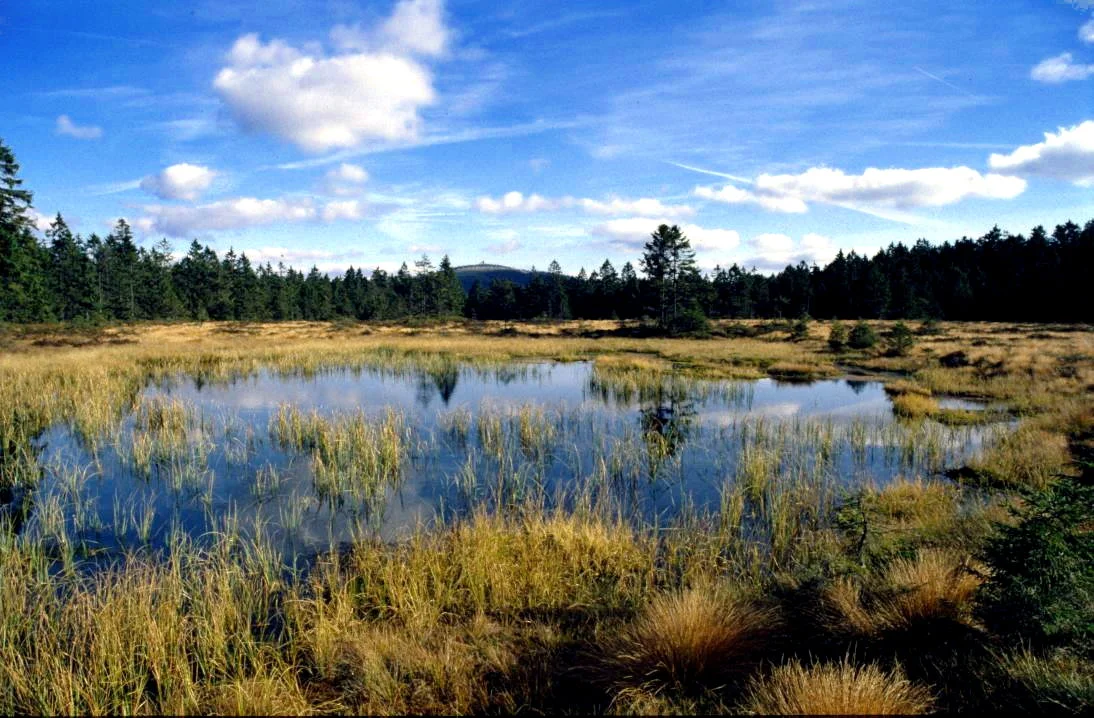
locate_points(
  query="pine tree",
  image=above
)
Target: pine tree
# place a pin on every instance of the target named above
(71, 274)
(24, 294)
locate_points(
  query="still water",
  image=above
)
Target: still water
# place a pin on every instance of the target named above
(541, 433)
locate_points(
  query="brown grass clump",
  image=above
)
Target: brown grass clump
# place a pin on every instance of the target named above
(936, 585)
(695, 640)
(836, 689)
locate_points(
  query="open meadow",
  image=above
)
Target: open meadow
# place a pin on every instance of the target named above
(563, 517)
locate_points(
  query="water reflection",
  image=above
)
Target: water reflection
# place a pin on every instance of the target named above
(549, 432)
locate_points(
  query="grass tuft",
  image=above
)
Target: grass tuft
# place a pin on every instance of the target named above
(689, 642)
(836, 689)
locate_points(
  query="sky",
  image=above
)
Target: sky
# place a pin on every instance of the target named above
(337, 133)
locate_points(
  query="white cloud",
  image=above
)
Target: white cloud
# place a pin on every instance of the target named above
(1067, 154)
(644, 207)
(513, 202)
(345, 179)
(348, 173)
(238, 213)
(634, 232)
(735, 195)
(321, 102)
(874, 188)
(349, 209)
(418, 26)
(65, 126)
(40, 221)
(773, 252)
(415, 27)
(538, 164)
(181, 181)
(1059, 69)
(1086, 32)
(517, 202)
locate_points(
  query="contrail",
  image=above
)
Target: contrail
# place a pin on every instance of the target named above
(700, 170)
(936, 78)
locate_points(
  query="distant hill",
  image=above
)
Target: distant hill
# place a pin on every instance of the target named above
(486, 273)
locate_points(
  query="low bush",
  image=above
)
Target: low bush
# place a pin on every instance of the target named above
(862, 336)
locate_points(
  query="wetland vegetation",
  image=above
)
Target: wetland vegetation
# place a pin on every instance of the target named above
(477, 517)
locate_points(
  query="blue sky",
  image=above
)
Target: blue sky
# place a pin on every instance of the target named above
(368, 133)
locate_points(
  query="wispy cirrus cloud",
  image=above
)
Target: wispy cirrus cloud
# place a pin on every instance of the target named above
(66, 126)
(517, 202)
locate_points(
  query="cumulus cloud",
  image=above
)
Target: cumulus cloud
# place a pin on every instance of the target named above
(373, 90)
(514, 202)
(181, 181)
(634, 232)
(1067, 154)
(772, 252)
(1061, 68)
(881, 188)
(415, 27)
(65, 126)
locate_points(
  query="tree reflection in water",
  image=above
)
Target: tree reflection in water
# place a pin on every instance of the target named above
(442, 379)
(667, 416)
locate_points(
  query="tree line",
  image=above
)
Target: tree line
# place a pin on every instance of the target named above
(998, 276)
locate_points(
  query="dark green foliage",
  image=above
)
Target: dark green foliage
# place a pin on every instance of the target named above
(837, 337)
(799, 330)
(862, 336)
(899, 340)
(1040, 587)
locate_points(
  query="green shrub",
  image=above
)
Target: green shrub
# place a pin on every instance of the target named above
(1041, 584)
(862, 336)
(899, 339)
(800, 329)
(691, 323)
(837, 337)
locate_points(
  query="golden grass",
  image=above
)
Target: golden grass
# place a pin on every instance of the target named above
(1028, 457)
(457, 618)
(914, 406)
(934, 585)
(836, 689)
(697, 639)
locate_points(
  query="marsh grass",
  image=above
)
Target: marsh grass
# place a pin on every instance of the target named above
(843, 688)
(517, 601)
(688, 642)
